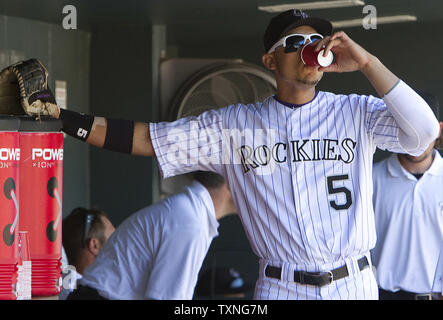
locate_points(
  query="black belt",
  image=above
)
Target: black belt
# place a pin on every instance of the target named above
(317, 278)
(403, 295)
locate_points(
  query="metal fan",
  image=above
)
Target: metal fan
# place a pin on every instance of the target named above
(220, 85)
(216, 86)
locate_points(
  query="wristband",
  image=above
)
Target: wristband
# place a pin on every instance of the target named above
(77, 125)
(119, 135)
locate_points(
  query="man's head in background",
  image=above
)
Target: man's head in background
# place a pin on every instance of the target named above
(219, 191)
(85, 231)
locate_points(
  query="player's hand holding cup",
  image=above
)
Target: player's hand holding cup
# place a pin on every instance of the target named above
(349, 56)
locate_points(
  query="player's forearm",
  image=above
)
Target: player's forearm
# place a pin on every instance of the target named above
(98, 132)
(112, 134)
(418, 126)
(381, 78)
(141, 141)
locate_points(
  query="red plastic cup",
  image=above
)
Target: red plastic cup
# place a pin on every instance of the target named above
(315, 59)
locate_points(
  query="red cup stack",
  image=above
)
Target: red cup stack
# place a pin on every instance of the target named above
(24, 268)
(41, 176)
(9, 206)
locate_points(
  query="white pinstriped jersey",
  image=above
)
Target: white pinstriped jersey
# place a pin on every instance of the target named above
(301, 178)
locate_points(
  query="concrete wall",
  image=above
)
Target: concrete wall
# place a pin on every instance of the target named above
(121, 88)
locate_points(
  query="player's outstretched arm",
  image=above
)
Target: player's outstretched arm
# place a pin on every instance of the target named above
(418, 125)
(117, 135)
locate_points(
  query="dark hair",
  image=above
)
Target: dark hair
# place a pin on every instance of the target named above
(210, 180)
(73, 235)
(432, 101)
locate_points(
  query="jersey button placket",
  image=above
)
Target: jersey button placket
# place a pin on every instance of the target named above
(293, 134)
(415, 198)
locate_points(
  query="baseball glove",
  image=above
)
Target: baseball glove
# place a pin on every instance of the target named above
(24, 89)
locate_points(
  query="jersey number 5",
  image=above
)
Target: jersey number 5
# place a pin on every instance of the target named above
(344, 190)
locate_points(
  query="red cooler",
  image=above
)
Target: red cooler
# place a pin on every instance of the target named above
(9, 206)
(41, 177)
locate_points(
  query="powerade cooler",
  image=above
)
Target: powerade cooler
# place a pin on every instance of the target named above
(9, 206)
(41, 177)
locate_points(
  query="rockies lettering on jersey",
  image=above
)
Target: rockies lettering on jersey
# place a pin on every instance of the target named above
(300, 150)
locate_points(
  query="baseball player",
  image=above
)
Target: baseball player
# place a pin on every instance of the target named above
(299, 164)
(408, 207)
(157, 252)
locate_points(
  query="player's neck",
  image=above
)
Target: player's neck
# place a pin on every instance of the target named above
(296, 95)
(416, 165)
(86, 259)
(221, 203)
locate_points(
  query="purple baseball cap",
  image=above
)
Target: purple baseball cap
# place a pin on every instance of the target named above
(285, 21)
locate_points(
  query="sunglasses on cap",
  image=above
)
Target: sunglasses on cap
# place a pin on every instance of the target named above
(294, 41)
